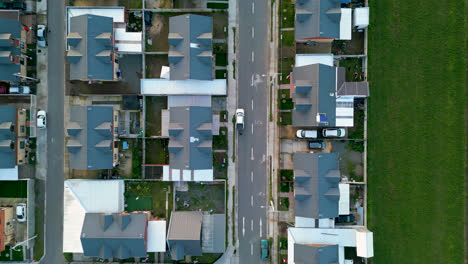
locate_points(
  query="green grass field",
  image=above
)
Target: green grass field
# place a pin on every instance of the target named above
(416, 131)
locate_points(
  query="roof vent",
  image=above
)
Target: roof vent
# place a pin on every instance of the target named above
(194, 139)
(332, 94)
(195, 45)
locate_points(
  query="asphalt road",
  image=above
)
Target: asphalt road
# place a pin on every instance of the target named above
(253, 94)
(55, 133)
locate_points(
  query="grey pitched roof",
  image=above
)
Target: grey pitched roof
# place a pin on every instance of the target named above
(190, 138)
(315, 93)
(315, 254)
(114, 235)
(91, 48)
(317, 18)
(316, 179)
(7, 136)
(91, 136)
(213, 233)
(10, 30)
(190, 47)
(184, 235)
(360, 89)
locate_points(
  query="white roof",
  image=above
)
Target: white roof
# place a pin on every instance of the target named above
(116, 12)
(308, 59)
(127, 41)
(344, 111)
(9, 174)
(165, 72)
(361, 17)
(345, 24)
(343, 205)
(198, 175)
(365, 243)
(188, 100)
(87, 196)
(156, 236)
(183, 87)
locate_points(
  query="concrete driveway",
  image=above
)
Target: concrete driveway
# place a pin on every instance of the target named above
(293, 145)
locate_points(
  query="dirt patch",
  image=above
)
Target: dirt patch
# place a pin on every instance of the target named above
(220, 21)
(154, 107)
(149, 4)
(288, 132)
(87, 174)
(158, 33)
(154, 64)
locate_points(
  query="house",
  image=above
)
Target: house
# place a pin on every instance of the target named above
(326, 245)
(12, 141)
(318, 193)
(6, 226)
(12, 44)
(92, 131)
(109, 236)
(184, 234)
(322, 21)
(91, 54)
(322, 97)
(190, 144)
(88, 196)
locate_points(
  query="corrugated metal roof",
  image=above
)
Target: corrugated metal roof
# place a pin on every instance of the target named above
(7, 69)
(317, 18)
(184, 236)
(7, 136)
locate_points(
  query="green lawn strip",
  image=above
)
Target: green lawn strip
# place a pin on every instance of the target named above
(287, 38)
(16, 256)
(157, 151)
(221, 74)
(286, 118)
(217, 5)
(233, 214)
(283, 203)
(357, 131)
(353, 68)
(221, 141)
(136, 158)
(285, 66)
(416, 131)
(220, 164)
(13, 189)
(284, 100)
(287, 175)
(287, 14)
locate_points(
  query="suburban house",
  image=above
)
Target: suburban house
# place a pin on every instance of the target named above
(194, 233)
(93, 134)
(322, 21)
(322, 97)
(12, 45)
(87, 207)
(6, 226)
(12, 141)
(188, 122)
(318, 193)
(109, 236)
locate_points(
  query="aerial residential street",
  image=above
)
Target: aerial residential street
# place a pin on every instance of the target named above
(55, 134)
(252, 158)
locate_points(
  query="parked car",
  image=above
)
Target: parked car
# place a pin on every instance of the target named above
(3, 89)
(20, 90)
(5, 5)
(317, 145)
(334, 132)
(306, 133)
(264, 248)
(18, 5)
(41, 119)
(21, 212)
(344, 219)
(240, 114)
(41, 36)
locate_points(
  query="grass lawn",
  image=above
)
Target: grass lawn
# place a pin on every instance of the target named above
(201, 196)
(157, 151)
(220, 158)
(221, 141)
(287, 14)
(17, 254)
(137, 157)
(217, 5)
(151, 196)
(283, 204)
(221, 74)
(416, 131)
(354, 71)
(154, 106)
(287, 175)
(285, 67)
(286, 118)
(285, 102)
(287, 38)
(13, 189)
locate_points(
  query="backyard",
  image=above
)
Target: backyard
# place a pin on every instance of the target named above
(416, 131)
(154, 107)
(13, 189)
(204, 197)
(157, 152)
(146, 195)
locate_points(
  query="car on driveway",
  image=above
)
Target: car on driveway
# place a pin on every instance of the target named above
(41, 36)
(3, 89)
(41, 119)
(264, 248)
(21, 212)
(334, 132)
(316, 145)
(306, 133)
(240, 114)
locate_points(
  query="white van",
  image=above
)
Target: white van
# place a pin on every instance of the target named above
(20, 90)
(306, 133)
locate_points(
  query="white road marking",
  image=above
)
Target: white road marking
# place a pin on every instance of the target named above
(253, 56)
(251, 83)
(260, 227)
(253, 32)
(251, 176)
(251, 201)
(251, 249)
(252, 104)
(251, 225)
(253, 7)
(243, 226)
(251, 154)
(252, 128)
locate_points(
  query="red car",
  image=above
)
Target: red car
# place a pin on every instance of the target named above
(3, 89)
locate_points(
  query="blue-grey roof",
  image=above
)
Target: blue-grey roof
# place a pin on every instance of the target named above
(190, 47)
(317, 18)
(119, 236)
(91, 48)
(184, 234)
(190, 138)
(315, 93)
(90, 145)
(10, 30)
(315, 254)
(7, 136)
(213, 233)
(316, 179)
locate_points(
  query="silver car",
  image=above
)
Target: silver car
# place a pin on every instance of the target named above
(41, 36)
(334, 132)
